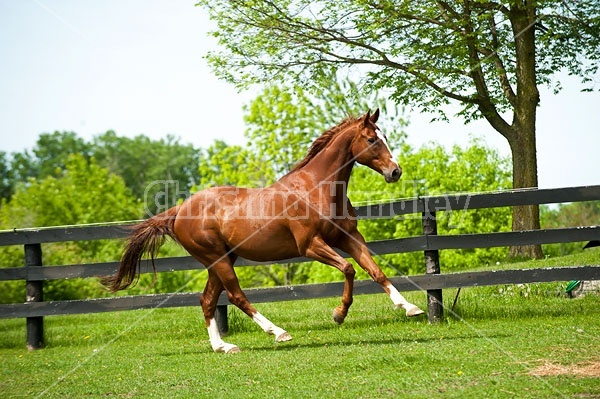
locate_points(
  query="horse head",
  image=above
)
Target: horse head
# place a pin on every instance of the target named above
(370, 148)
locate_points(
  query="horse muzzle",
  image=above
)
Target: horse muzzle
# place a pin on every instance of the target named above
(393, 175)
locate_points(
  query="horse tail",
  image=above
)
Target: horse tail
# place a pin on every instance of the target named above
(146, 238)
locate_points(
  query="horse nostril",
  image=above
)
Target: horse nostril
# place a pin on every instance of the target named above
(396, 173)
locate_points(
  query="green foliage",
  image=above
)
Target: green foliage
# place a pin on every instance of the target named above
(65, 180)
(488, 57)
(426, 53)
(569, 215)
(49, 157)
(225, 165)
(5, 181)
(572, 215)
(81, 193)
(158, 172)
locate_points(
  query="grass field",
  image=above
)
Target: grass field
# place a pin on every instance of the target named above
(521, 341)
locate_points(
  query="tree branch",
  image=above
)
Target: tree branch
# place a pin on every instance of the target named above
(288, 26)
(490, 5)
(502, 75)
(485, 104)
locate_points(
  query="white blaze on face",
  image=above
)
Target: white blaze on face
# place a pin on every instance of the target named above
(383, 139)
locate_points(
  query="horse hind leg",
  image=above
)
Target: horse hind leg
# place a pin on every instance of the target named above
(236, 296)
(267, 326)
(208, 300)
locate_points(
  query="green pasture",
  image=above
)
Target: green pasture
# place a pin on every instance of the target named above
(514, 341)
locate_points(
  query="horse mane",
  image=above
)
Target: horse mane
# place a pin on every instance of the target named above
(322, 141)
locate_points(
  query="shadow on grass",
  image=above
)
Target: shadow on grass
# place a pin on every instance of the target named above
(270, 346)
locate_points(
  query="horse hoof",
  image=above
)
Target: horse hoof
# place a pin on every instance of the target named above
(413, 311)
(227, 348)
(337, 317)
(283, 337)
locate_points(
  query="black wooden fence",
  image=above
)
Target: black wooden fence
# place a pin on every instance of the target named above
(34, 309)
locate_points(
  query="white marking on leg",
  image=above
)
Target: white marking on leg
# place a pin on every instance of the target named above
(216, 341)
(396, 297)
(270, 328)
(401, 302)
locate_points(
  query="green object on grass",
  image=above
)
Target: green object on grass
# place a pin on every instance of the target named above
(572, 285)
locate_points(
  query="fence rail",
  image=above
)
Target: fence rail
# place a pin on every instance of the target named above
(430, 243)
(305, 291)
(386, 247)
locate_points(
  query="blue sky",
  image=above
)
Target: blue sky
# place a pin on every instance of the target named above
(136, 67)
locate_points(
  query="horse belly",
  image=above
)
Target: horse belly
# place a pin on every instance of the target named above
(262, 243)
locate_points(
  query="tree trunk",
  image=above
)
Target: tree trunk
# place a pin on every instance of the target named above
(524, 161)
(522, 139)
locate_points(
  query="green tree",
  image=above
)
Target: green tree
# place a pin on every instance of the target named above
(231, 165)
(6, 185)
(569, 215)
(67, 180)
(490, 57)
(48, 157)
(158, 172)
(282, 122)
(81, 193)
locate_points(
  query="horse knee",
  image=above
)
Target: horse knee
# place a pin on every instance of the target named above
(239, 300)
(234, 298)
(348, 271)
(379, 277)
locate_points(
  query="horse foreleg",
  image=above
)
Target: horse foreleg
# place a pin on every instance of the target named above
(208, 300)
(238, 298)
(357, 248)
(400, 302)
(319, 250)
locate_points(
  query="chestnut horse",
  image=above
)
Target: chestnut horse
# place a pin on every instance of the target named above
(305, 213)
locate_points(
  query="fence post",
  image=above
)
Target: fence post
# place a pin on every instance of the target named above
(221, 319)
(432, 266)
(34, 293)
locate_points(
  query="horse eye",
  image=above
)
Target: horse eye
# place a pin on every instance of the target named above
(371, 140)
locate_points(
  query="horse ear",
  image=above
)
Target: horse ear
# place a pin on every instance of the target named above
(367, 118)
(375, 116)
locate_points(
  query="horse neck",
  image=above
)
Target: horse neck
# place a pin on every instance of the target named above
(334, 163)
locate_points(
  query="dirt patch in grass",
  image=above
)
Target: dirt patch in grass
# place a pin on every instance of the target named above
(588, 369)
